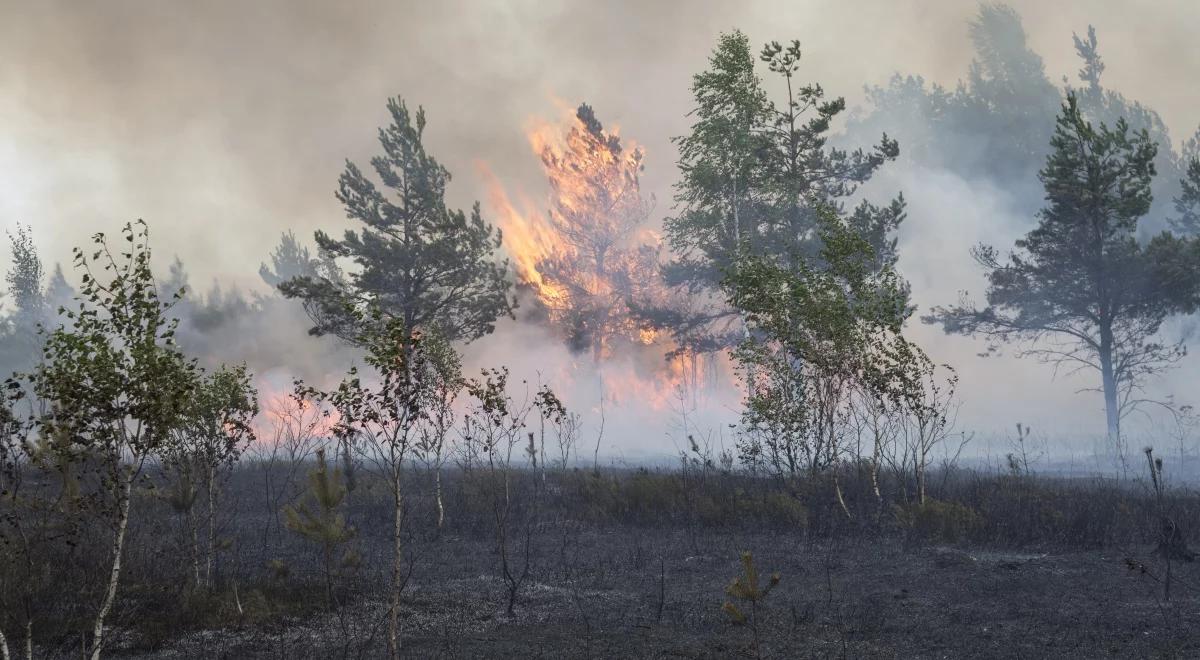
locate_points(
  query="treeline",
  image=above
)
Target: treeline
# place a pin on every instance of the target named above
(778, 267)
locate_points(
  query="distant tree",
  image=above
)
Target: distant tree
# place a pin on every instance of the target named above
(1007, 96)
(753, 175)
(25, 280)
(418, 261)
(1080, 290)
(1187, 203)
(30, 309)
(114, 382)
(994, 124)
(1105, 106)
(59, 293)
(290, 260)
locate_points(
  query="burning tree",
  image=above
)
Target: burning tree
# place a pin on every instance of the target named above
(591, 254)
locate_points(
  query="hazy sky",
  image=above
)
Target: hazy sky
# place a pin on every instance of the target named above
(224, 123)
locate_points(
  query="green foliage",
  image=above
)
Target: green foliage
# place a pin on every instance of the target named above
(756, 176)
(413, 371)
(1187, 204)
(428, 266)
(216, 425)
(938, 521)
(112, 386)
(1081, 276)
(320, 520)
(115, 380)
(215, 429)
(746, 589)
(818, 334)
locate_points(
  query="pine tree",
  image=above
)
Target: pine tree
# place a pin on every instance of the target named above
(290, 260)
(59, 293)
(1106, 106)
(30, 308)
(747, 590)
(993, 124)
(1187, 203)
(418, 261)
(320, 520)
(1080, 290)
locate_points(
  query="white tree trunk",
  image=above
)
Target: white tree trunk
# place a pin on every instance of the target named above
(438, 493)
(4, 647)
(114, 575)
(212, 532)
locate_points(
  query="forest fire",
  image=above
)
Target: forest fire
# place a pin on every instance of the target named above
(590, 257)
(293, 421)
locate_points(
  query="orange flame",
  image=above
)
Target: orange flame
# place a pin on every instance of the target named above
(286, 418)
(590, 254)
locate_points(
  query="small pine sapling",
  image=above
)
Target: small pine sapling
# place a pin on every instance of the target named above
(746, 589)
(322, 522)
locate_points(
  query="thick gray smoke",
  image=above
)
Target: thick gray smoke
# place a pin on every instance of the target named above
(225, 124)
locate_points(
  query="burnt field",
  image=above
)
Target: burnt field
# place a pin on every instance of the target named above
(636, 563)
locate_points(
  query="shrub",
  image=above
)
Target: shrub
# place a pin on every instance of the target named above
(935, 520)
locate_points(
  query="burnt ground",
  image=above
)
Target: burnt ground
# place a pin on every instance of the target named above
(635, 564)
(632, 592)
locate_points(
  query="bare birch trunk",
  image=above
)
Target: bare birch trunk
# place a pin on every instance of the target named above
(437, 490)
(212, 533)
(114, 575)
(875, 458)
(837, 489)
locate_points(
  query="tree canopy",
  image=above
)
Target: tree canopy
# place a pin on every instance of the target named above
(1080, 290)
(414, 258)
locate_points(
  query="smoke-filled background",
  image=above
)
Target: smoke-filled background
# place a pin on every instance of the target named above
(225, 124)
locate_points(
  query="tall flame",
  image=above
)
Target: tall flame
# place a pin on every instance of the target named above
(591, 254)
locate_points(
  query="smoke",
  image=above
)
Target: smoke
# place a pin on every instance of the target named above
(224, 124)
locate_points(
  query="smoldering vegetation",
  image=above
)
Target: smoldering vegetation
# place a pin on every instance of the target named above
(598, 424)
